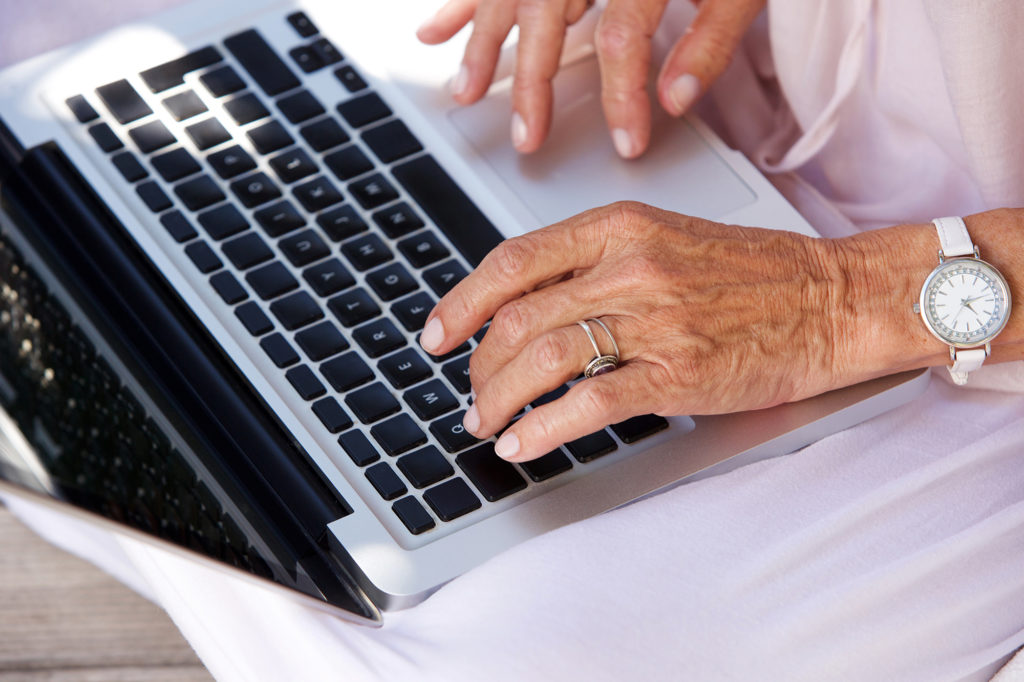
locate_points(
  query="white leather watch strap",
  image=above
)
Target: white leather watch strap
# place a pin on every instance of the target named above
(965, 362)
(953, 237)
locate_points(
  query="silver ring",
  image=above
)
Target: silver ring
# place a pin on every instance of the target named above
(602, 363)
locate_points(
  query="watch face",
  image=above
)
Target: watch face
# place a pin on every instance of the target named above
(965, 302)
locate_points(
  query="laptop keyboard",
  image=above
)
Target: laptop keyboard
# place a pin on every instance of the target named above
(329, 232)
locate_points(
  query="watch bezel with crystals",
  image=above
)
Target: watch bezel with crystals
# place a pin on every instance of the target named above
(947, 268)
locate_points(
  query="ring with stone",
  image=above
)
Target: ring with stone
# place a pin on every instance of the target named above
(602, 363)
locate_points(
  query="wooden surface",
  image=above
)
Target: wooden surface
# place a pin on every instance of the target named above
(63, 620)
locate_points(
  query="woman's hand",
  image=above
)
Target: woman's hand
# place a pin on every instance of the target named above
(709, 318)
(623, 44)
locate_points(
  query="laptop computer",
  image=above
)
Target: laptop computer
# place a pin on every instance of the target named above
(221, 233)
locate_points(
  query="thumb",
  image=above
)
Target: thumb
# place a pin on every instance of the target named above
(704, 52)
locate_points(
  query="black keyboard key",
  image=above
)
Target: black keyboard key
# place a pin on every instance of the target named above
(199, 193)
(175, 164)
(172, 73)
(463, 348)
(423, 249)
(304, 248)
(350, 78)
(457, 372)
(442, 278)
(223, 221)
(637, 428)
(373, 191)
(366, 252)
(305, 382)
(349, 162)
(392, 141)
(293, 165)
(296, 310)
(358, 447)
(329, 277)
(386, 481)
(208, 133)
(413, 515)
(222, 81)
(332, 414)
(81, 108)
(262, 63)
(364, 109)
(353, 307)
(300, 106)
(324, 134)
(397, 220)
(404, 368)
(306, 58)
(412, 311)
(255, 189)
(279, 350)
(247, 251)
(269, 137)
(372, 403)
(185, 105)
(280, 218)
(203, 257)
(451, 434)
(151, 136)
(391, 281)
(153, 196)
(302, 25)
(493, 477)
(317, 194)
(246, 109)
(327, 52)
(399, 434)
(431, 399)
(106, 138)
(253, 318)
(341, 223)
(129, 166)
(425, 467)
(379, 337)
(178, 226)
(548, 466)
(123, 102)
(550, 396)
(271, 280)
(347, 371)
(228, 288)
(448, 207)
(231, 162)
(451, 499)
(592, 446)
(321, 341)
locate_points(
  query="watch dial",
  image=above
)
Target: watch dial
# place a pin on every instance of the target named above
(965, 302)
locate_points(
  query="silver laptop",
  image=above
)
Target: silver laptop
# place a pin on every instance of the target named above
(221, 234)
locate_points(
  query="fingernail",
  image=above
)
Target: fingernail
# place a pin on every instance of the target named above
(471, 420)
(624, 144)
(433, 335)
(519, 131)
(683, 92)
(426, 25)
(507, 446)
(461, 81)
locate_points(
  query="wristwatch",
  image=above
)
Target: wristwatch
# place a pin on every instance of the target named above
(965, 302)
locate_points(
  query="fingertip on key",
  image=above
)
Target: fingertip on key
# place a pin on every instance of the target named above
(507, 447)
(433, 335)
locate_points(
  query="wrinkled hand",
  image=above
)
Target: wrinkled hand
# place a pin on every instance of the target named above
(709, 319)
(623, 43)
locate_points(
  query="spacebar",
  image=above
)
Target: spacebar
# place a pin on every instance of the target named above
(449, 207)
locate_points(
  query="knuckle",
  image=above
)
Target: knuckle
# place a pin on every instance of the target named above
(597, 399)
(550, 352)
(512, 257)
(510, 322)
(614, 39)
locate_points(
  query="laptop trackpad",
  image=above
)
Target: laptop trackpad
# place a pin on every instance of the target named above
(577, 167)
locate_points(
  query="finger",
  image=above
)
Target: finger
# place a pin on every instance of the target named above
(704, 52)
(514, 267)
(545, 363)
(447, 21)
(623, 43)
(590, 405)
(491, 24)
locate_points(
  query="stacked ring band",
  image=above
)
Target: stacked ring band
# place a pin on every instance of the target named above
(602, 363)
